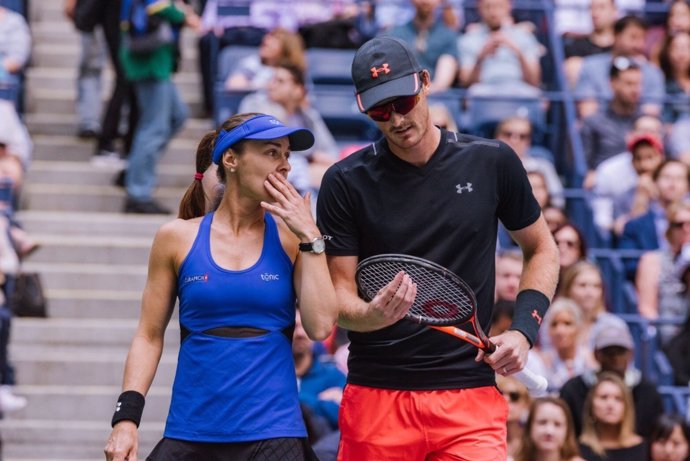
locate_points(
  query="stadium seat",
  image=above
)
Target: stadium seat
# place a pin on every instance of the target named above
(8, 92)
(330, 66)
(14, 5)
(483, 113)
(676, 399)
(226, 102)
(649, 358)
(230, 56)
(339, 110)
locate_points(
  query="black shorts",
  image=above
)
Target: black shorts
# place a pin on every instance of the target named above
(283, 449)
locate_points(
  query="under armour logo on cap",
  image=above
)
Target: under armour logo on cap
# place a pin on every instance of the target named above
(375, 71)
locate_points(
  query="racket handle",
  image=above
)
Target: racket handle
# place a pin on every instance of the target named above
(537, 384)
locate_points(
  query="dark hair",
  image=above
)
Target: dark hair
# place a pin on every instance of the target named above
(193, 203)
(295, 72)
(664, 58)
(628, 21)
(663, 428)
(582, 247)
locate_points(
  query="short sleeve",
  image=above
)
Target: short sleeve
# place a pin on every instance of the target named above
(517, 207)
(335, 215)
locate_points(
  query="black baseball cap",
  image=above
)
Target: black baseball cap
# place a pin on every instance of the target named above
(384, 68)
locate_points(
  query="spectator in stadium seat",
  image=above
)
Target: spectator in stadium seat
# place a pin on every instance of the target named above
(660, 281)
(253, 72)
(320, 382)
(548, 433)
(441, 116)
(593, 81)
(566, 356)
(286, 99)
(604, 132)
(670, 439)
(15, 44)
(674, 60)
(613, 350)
(599, 40)
(608, 431)
(555, 217)
(517, 133)
(434, 43)
(677, 21)
(677, 351)
(679, 141)
(508, 273)
(646, 232)
(518, 399)
(243, 27)
(498, 56)
(584, 283)
(571, 243)
(623, 182)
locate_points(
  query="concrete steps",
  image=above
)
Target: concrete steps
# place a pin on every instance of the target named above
(92, 260)
(64, 149)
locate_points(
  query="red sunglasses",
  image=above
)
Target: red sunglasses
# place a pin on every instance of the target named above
(402, 106)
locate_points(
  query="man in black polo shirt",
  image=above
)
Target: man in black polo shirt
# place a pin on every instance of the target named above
(414, 392)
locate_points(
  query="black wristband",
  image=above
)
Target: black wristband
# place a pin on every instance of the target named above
(130, 406)
(530, 307)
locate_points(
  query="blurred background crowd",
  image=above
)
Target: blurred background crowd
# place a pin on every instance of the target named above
(593, 96)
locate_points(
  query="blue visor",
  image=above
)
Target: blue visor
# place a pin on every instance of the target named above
(262, 127)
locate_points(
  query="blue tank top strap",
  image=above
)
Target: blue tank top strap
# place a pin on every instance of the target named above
(272, 241)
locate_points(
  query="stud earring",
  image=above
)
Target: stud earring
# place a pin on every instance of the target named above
(232, 170)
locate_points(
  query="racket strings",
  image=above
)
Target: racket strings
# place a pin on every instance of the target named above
(440, 300)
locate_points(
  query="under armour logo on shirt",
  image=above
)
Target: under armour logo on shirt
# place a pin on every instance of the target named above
(461, 188)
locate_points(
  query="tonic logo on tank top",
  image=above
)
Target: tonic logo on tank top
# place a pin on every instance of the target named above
(195, 278)
(266, 277)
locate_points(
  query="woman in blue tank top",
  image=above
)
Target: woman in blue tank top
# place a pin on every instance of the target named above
(237, 272)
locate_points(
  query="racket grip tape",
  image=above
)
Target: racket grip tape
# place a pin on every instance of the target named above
(537, 384)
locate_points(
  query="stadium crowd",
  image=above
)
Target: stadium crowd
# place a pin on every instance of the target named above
(593, 96)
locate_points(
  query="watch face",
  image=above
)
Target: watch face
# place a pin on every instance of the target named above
(318, 246)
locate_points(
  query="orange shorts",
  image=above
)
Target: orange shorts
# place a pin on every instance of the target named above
(459, 424)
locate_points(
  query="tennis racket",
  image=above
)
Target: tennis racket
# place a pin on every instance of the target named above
(443, 301)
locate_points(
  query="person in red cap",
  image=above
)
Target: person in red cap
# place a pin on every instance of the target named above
(414, 393)
(623, 180)
(237, 273)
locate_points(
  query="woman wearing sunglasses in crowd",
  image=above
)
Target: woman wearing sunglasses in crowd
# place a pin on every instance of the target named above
(662, 289)
(238, 272)
(549, 434)
(571, 245)
(518, 399)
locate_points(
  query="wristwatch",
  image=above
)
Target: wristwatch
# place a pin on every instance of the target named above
(316, 246)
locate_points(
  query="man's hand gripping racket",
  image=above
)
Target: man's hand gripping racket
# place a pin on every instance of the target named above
(443, 301)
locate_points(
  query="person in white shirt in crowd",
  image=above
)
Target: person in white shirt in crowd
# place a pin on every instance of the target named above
(619, 178)
(498, 56)
(508, 272)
